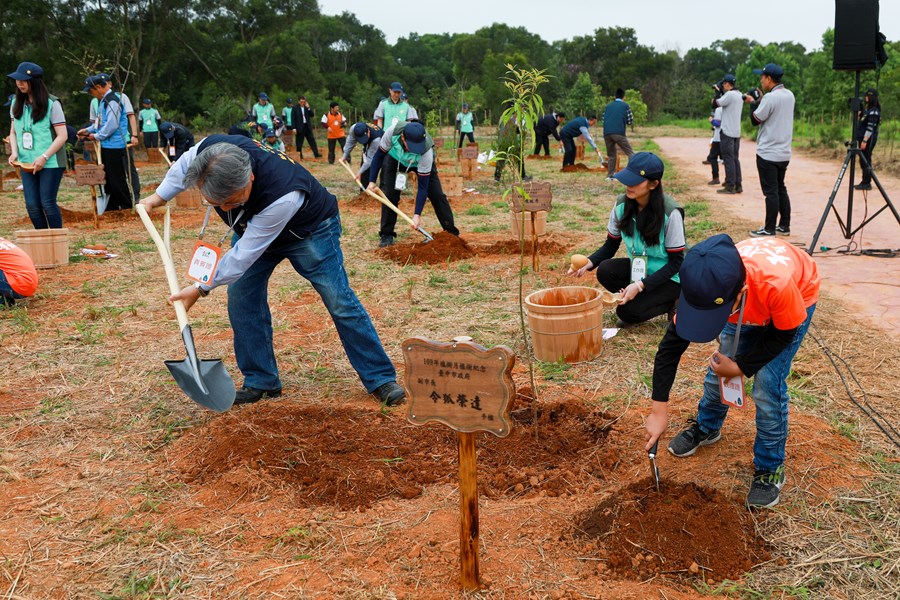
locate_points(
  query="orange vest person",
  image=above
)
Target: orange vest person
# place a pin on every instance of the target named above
(18, 277)
(334, 122)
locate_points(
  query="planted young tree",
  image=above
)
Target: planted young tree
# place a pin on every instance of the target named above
(524, 107)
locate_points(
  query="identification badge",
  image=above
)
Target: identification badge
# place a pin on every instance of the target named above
(149, 122)
(204, 261)
(638, 267)
(27, 141)
(732, 391)
(400, 182)
(171, 150)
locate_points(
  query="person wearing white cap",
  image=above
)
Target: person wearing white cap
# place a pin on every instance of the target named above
(37, 137)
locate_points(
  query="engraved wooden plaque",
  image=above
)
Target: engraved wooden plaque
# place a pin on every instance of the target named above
(90, 175)
(540, 197)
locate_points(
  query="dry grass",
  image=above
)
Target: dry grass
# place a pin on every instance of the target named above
(87, 411)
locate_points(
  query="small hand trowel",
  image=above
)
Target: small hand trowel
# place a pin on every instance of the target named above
(654, 471)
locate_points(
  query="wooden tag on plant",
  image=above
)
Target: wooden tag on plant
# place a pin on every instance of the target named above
(540, 197)
(90, 175)
(469, 152)
(460, 384)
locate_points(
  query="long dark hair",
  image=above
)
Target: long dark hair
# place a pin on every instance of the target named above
(873, 101)
(649, 221)
(40, 97)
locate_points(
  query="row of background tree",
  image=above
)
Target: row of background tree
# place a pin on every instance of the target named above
(204, 62)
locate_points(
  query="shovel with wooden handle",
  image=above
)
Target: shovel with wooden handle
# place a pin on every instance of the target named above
(205, 381)
(102, 196)
(384, 200)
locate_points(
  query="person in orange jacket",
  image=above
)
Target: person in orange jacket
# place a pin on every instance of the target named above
(334, 122)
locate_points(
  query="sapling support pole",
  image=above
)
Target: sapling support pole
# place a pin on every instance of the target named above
(534, 243)
(468, 512)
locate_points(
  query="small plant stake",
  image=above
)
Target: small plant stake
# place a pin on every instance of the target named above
(531, 197)
(468, 388)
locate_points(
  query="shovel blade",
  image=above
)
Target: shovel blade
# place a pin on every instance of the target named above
(102, 201)
(212, 387)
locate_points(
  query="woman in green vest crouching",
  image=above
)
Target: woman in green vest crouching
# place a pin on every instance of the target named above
(652, 226)
(37, 138)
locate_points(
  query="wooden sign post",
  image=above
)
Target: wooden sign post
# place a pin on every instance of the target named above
(468, 158)
(538, 196)
(468, 388)
(91, 175)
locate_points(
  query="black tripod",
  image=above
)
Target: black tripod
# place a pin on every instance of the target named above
(853, 150)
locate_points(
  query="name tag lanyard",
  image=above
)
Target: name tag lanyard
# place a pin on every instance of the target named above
(732, 389)
(27, 125)
(638, 260)
(206, 257)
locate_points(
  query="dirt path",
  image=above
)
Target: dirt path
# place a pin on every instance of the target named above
(868, 284)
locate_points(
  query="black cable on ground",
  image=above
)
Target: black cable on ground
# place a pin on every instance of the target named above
(893, 435)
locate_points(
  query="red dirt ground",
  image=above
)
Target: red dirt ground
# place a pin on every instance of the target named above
(580, 168)
(444, 247)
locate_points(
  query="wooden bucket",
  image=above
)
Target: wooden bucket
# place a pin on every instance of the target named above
(47, 248)
(540, 222)
(188, 199)
(153, 155)
(566, 323)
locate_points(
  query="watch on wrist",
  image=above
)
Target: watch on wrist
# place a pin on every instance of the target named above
(203, 293)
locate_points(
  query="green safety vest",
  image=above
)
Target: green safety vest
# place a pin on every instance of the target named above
(287, 113)
(263, 113)
(406, 159)
(465, 122)
(657, 257)
(394, 111)
(148, 120)
(42, 134)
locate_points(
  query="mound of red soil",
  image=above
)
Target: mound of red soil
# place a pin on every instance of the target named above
(352, 458)
(77, 216)
(512, 247)
(443, 248)
(682, 529)
(580, 168)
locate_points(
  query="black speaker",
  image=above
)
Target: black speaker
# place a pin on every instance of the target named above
(855, 35)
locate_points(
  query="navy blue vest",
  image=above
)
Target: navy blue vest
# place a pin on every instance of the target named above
(276, 175)
(572, 129)
(614, 118)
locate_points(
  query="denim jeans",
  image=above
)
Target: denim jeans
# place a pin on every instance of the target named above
(778, 203)
(7, 294)
(319, 259)
(731, 157)
(770, 394)
(40, 191)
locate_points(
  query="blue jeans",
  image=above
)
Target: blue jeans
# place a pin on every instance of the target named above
(7, 294)
(40, 197)
(770, 394)
(319, 259)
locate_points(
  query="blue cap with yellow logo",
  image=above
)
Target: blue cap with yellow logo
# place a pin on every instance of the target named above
(712, 275)
(641, 167)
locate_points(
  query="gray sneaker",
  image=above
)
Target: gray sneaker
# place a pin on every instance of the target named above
(765, 491)
(390, 394)
(687, 442)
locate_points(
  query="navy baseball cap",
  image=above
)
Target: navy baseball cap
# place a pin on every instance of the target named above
(263, 96)
(415, 137)
(771, 70)
(95, 81)
(167, 129)
(147, 101)
(396, 87)
(290, 100)
(27, 71)
(712, 275)
(270, 132)
(641, 167)
(361, 133)
(465, 105)
(729, 78)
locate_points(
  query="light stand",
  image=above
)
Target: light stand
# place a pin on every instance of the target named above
(853, 150)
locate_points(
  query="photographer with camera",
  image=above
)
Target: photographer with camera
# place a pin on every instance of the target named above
(867, 135)
(774, 115)
(732, 103)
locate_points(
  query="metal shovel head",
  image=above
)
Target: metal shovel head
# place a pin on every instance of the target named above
(102, 200)
(654, 471)
(206, 382)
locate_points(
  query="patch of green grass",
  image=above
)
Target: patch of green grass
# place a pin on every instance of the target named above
(486, 228)
(20, 318)
(696, 209)
(464, 267)
(846, 429)
(554, 371)
(435, 280)
(54, 406)
(499, 204)
(477, 210)
(88, 333)
(136, 247)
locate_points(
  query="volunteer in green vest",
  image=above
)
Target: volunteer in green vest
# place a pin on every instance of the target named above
(263, 112)
(465, 125)
(37, 137)
(403, 147)
(394, 109)
(150, 120)
(287, 115)
(651, 224)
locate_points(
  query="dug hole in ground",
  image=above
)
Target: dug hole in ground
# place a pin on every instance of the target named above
(115, 485)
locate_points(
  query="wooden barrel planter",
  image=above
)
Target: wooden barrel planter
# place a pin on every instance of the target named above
(540, 223)
(566, 323)
(47, 248)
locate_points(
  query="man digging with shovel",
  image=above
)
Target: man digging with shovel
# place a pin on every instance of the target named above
(278, 211)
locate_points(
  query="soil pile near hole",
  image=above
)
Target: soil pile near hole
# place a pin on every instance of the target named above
(512, 247)
(580, 168)
(354, 457)
(443, 248)
(77, 216)
(683, 529)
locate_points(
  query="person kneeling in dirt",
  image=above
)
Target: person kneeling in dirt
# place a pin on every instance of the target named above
(18, 277)
(651, 224)
(278, 211)
(402, 147)
(764, 291)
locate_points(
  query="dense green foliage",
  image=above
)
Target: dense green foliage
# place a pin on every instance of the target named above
(204, 62)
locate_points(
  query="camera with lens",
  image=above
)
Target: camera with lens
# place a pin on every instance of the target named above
(755, 94)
